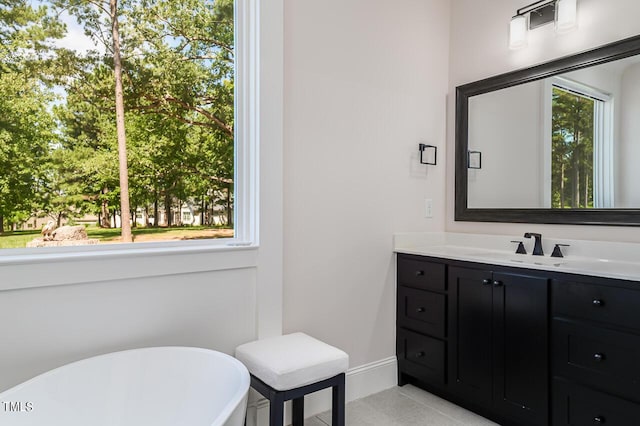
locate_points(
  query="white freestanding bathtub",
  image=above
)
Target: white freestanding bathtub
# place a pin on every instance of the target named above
(167, 386)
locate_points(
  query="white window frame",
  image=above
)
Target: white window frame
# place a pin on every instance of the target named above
(603, 146)
(246, 165)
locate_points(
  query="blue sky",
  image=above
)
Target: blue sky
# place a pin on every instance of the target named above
(75, 39)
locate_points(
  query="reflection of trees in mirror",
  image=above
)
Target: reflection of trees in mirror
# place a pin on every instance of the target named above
(572, 150)
(58, 139)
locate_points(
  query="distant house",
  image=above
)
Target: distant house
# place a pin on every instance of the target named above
(187, 215)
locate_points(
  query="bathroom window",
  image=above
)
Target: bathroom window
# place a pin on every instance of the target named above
(581, 151)
(184, 125)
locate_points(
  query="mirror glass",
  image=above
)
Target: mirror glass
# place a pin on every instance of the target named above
(570, 141)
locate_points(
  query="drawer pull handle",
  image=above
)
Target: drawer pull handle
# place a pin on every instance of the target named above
(497, 283)
(420, 310)
(597, 302)
(419, 273)
(599, 419)
(419, 354)
(486, 282)
(599, 357)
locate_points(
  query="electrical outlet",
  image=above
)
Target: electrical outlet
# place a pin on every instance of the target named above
(428, 207)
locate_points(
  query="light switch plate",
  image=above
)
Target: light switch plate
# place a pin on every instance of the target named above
(428, 207)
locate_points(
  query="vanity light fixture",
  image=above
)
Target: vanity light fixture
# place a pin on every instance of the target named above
(563, 12)
(566, 16)
(518, 32)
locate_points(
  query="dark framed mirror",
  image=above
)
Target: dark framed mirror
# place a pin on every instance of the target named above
(559, 142)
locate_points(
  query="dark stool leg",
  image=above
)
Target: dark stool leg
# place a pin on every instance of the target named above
(276, 409)
(298, 412)
(337, 408)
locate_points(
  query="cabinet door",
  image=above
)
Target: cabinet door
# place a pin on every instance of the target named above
(520, 319)
(470, 349)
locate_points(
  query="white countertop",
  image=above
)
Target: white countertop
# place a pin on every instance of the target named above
(583, 257)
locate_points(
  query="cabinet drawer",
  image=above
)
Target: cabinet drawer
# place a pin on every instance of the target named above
(597, 356)
(422, 311)
(414, 272)
(576, 405)
(611, 305)
(421, 356)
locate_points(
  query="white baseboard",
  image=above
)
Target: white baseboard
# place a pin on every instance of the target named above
(368, 379)
(361, 381)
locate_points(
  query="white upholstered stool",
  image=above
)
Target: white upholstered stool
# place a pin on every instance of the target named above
(288, 367)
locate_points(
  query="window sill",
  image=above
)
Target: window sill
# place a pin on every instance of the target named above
(68, 265)
(115, 250)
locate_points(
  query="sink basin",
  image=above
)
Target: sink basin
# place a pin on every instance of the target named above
(526, 259)
(530, 260)
(506, 257)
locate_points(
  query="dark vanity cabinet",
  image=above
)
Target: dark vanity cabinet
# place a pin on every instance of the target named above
(498, 351)
(522, 347)
(474, 335)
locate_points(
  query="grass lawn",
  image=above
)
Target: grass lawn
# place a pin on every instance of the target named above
(19, 239)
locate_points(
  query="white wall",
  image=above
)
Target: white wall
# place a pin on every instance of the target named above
(479, 49)
(58, 310)
(628, 192)
(504, 125)
(43, 328)
(365, 83)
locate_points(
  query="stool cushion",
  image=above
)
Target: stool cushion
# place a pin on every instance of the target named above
(293, 360)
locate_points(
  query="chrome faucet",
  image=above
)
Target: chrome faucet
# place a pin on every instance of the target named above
(537, 248)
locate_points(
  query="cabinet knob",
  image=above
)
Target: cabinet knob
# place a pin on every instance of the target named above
(420, 310)
(420, 354)
(419, 273)
(598, 356)
(497, 283)
(486, 282)
(598, 302)
(599, 419)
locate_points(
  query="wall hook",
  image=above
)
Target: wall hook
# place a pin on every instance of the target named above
(423, 147)
(474, 159)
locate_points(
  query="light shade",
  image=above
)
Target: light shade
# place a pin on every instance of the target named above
(566, 15)
(518, 32)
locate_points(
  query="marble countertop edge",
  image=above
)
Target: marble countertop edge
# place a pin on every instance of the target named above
(584, 257)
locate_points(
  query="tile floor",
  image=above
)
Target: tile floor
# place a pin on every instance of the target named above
(403, 406)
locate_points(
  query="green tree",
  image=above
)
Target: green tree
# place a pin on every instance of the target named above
(177, 69)
(572, 150)
(88, 149)
(101, 20)
(186, 66)
(178, 64)
(26, 132)
(26, 35)
(159, 146)
(187, 74)
(63, 197)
